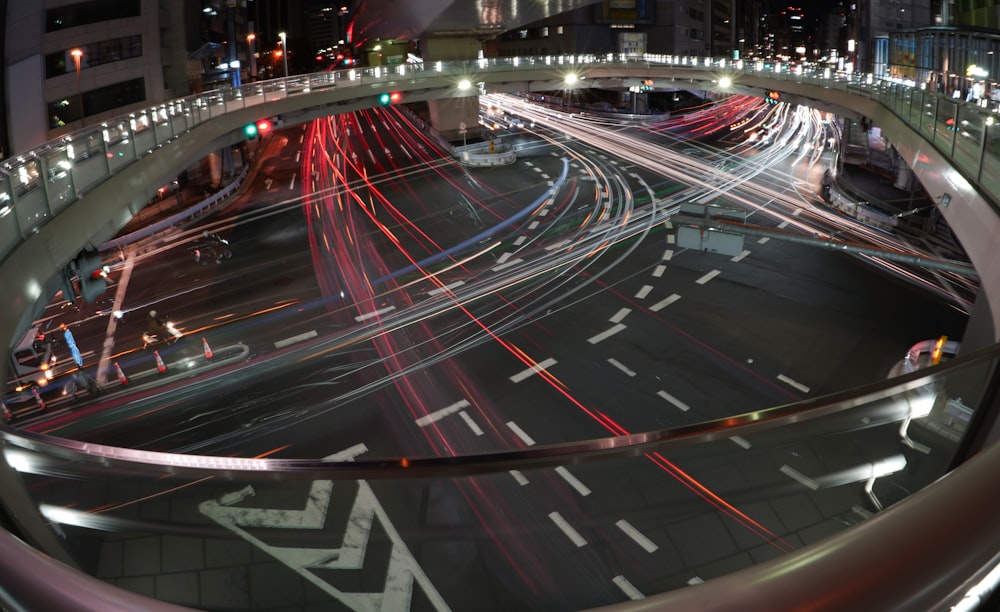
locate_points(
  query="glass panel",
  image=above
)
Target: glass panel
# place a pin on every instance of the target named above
(944, 125)
(538, 528)
(968, 134)
(10, 233)
(989, 176)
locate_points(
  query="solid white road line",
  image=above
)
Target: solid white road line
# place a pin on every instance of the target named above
(604, 335)
(633, 593)
(538, 367)
(621, 366)
(299, 338)
(437, 415)
(519, 477)
(799, 476)
(620, 315)
(646, 544)
(667, 301)
(573, 481)
(792, 383)
(472, 424)
(566, 528)
(520, 433)
(709, 276)
(673, 400)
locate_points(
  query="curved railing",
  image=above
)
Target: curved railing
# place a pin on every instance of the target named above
(205, 517)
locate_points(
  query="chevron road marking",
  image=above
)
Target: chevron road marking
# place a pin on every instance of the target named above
(402, 571)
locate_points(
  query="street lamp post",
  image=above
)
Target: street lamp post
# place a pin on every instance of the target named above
(251, 37)
(284, 51)
(77, 56)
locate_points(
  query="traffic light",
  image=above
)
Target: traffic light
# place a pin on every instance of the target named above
(250, 130)
(91, 270)
(385, 99)
(647, 85)
(773, 97)
(263, 127)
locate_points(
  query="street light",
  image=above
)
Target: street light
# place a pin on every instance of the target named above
(77, 55)
(251, 37)
(284, 51)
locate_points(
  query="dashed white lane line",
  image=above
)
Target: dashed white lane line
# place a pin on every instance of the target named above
(604, 335)
(621, 366)
(292, 340)
(447, 287)
(763, 240)
(557, 246)
(695, 580)
(437, 415)
(799, 476)
(567, 529)
(506, 264)
(620, 315)
(792, 383)
(520, 433)
(667, 301)
(520, 240)
(627, 587)
(476, 429)
(668, 255)
(533, 225)
(671, 239)
(740, 256)
(573, 481)
(642, 293)
(743, 442)
(519, 477)
(646, 544)
(538, 367)
(659, 270)
(375, 313)
(673, 400)
(503, 257)
(709, 276)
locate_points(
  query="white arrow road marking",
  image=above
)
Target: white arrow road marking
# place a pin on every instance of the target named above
(403, 568)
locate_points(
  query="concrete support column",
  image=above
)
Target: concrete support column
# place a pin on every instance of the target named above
(447, 113)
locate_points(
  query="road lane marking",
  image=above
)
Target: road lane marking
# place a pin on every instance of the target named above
(709, 276)
(375, 313)
(520, 240)
(557, 245)
(519, 477)
(668, 255)
(630, 591)
(783, 225)
(604, 335)
(792, 383)
(695, 580)
(567, 529)
(621, 366)
(667, 301)
(740, 256)
(503, 257)
(620, 315)
(538, 367)
(506, 264)
(573, 481)
(292, 340)
(673, 400)
(447, 287)
(472, 424)
(291, 186)
(544, 175)
(520, 433)
(533, 225)
(437, 415)
(660, 269)
(740, 441)
(799, 476)
(671, 239)
(646, 544)
(642, 293)
(763, 240)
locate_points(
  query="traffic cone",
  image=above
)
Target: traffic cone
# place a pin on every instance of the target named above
(122, 380)
(160, 366)
(38, 398)
(208, 349)
(6, 412)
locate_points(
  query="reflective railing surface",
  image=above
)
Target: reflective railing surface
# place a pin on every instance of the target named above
(242, 533)
(234, 533)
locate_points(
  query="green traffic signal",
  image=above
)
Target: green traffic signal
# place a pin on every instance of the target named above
(250, 130)
(384, 99)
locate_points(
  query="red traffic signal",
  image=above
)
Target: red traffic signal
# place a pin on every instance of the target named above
(263, 126)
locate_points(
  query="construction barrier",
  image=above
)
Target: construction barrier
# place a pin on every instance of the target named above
(160, 366)
(38, 398)
(121, 375)
(208, 349)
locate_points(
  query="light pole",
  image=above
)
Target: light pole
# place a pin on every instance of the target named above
(253, 57)
(77, 55)
(284, 51)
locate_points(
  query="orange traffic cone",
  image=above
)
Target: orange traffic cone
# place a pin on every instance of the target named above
(208, 349)
(6, 412)
(121, 375)
(38, 398)
(160, 366)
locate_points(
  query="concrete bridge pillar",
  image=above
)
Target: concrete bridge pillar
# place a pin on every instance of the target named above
(447, 113)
